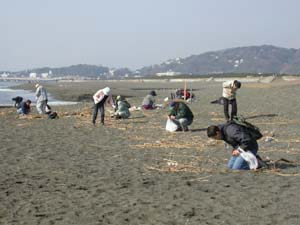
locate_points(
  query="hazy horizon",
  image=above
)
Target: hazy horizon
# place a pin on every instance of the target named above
(134, 34)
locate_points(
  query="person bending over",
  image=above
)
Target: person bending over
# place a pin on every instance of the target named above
(24, 108)
(238, 137)
(17, 101)
(100, 98)
(181, 115)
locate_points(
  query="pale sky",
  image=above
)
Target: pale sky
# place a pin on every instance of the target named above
(137, 33)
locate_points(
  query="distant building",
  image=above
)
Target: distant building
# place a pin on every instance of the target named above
(168, 73)
(45, 75)
(32, 75)
(4, 75)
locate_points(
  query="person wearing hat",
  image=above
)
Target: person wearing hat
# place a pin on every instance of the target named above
(122, 108)
(181, 115)
(229, 97)
(100, 98)
(41, 99)
(149, 101)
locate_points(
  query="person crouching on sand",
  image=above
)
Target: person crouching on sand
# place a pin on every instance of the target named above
(100, 98)
(149, 101)
(24, 108)
(239, 138)
(181, 115)
(122, 108)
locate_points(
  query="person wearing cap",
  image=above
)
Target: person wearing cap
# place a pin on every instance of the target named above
(238, 137)
(149, 101)
(181, 115)
(122, 108)
(229, 97)
(100, 98)
(41, 98)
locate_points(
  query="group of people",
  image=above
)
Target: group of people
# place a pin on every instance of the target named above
(24, 107)
(103, 96)
(179, 114)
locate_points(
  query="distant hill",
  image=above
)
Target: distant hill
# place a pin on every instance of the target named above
(263, 59)
(81, 70)
(253, 59)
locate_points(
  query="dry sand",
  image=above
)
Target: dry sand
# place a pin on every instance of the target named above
(66, 171)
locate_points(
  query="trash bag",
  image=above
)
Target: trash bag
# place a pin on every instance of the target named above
(171, 126)
(53, 115)
(250, 158)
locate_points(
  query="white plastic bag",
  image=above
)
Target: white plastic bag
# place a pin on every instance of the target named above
(250, 158)
(171, 126)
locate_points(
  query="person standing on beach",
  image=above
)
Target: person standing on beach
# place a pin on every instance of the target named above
(100, 98)
(239, 138)
(229, 97)
(41, 99)
(149, 101)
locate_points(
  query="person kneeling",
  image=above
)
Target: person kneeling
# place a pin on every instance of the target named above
(122, 108)
(241, 141)
(24, 108)
(181, 115)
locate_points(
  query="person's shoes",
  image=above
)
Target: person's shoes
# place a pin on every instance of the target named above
(179, 129)
(185, 129)
(94, 124)
(102, 123)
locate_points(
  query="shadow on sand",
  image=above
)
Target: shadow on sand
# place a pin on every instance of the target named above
(198, 130)
(261, 115)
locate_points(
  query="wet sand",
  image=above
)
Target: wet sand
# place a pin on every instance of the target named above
(66, 171)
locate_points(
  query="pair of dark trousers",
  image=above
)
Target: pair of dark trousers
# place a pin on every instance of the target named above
(233, 104)
(98, 106)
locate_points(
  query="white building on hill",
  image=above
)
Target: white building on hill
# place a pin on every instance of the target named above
(32, 75)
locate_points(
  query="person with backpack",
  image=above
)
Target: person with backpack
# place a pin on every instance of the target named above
(229, 97)
(181, 115)
(240, 137)
(100, 98)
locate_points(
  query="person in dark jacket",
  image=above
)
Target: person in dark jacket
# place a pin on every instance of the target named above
(24, 108)
(236, 136)
(17, 101)
(181, 115)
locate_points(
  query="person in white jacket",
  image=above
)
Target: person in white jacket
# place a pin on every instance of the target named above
(100, 98)
(41, 99)
(229, 97)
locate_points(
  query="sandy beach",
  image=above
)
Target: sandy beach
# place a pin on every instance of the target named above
(66, 171)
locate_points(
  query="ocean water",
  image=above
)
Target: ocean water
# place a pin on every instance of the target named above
(6, 95)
